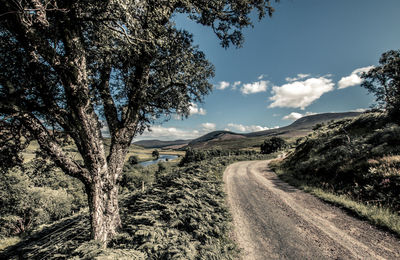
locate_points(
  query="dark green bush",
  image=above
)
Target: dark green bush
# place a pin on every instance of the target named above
(133, 160)
(272, 145)
(193, 155)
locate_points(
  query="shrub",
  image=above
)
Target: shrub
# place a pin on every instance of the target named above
(135, 178)
(272, 145)
(36, 194)
(155, 154)
(193, 155)
(133, 160)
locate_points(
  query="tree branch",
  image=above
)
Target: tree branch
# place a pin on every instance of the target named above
(50, 146)
(110, 109)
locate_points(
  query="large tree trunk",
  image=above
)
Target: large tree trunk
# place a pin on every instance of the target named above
(104, 210)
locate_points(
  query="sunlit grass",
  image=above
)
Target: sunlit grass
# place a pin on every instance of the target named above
(8, 241)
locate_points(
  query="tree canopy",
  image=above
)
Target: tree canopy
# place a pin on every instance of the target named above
(69, 66)
(384, 82)
(155, 154)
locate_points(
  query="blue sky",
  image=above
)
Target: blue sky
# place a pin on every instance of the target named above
(305, 59)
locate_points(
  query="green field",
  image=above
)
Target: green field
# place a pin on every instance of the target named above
(142, 153)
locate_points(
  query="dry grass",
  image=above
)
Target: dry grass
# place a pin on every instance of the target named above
(386, 166)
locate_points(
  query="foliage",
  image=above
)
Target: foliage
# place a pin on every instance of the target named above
(155, 154)
(36, 194)
(135, 177)
(24, 206)
(11, 144)
(272, 144)
(384, 82)
(194, 155)
(133, 160)
(354, 157)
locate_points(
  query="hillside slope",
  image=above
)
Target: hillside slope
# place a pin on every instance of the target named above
(304, 124)
(358, 158)
(231, 140)
(214, 137)
(299, 128)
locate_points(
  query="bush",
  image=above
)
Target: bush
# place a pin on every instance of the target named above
(193, 155)
(36, 194)
(135, 178)
(133, 160)
(155, 154)
(272, 145)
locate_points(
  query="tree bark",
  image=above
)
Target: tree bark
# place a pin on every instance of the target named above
(104, 210)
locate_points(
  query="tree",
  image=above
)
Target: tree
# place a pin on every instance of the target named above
(272, 145)
(70, 67)
(133, 160)
(155, 154)
(384, 82)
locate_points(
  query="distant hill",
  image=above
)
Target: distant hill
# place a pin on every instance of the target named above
(215, 137)
(161, 144)
(231, 140)
(304, 124)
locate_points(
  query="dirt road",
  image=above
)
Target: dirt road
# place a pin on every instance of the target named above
(273, 220)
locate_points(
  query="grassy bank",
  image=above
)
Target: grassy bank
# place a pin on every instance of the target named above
(353, 163)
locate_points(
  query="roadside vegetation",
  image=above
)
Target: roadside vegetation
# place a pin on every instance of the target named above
(167, 211)
(356, 162)
(352, 162)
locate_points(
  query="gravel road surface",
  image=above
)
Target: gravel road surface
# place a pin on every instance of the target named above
(273, 220)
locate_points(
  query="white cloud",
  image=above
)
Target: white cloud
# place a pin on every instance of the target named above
(223, 85)
(255, 87)
(244, 128)
(295, 115)
(359, 110)
(208, 126)
(195, 110)
(300, 93)
(236, 84)
(299, 76)
(354, 78)
(168, 134)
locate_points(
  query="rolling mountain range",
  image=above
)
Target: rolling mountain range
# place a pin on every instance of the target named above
(229, 140)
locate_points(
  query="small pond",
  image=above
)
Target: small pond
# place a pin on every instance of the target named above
(161, 158)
